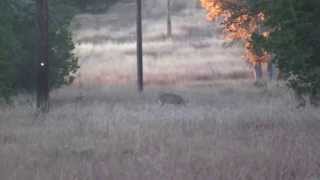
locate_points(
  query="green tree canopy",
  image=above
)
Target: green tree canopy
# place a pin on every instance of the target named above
(294, 40)
(19, 49)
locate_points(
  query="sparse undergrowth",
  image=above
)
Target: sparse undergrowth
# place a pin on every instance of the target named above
(230, 131)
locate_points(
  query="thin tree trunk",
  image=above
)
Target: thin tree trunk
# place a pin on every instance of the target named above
(271, 69)
(258, 71)
(43, 64)
(169, 22)
(139, 48)
(198, 4)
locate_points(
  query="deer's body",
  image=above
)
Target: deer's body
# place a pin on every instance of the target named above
(171, 99)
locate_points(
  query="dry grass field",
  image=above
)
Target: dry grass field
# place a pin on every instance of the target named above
(100, 128)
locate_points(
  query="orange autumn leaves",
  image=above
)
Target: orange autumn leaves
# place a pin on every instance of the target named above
(238, 24)
(214, 8)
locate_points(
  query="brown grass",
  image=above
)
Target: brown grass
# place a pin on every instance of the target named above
(228, 132)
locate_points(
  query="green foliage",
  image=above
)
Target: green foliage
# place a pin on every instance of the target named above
(19, 45)
(6, 77)
(92, 6)
(61, 72)
(294, 40)
(7, 41)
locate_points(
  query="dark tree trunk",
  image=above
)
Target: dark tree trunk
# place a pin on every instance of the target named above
(258, 71)
(43, 64)
(271, 69)
(139, 47)
(169, 22)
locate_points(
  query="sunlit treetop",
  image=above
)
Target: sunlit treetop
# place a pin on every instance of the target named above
(238, 24)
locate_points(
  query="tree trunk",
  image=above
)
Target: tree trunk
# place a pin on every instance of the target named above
(139, 48)
(169, 23)
(271, 70)
(258, 71)
(198, 4)
(43, 64)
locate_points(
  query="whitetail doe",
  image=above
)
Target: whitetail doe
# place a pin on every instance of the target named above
(171, 99)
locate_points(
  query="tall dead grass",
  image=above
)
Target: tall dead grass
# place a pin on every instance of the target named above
(232, 131)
